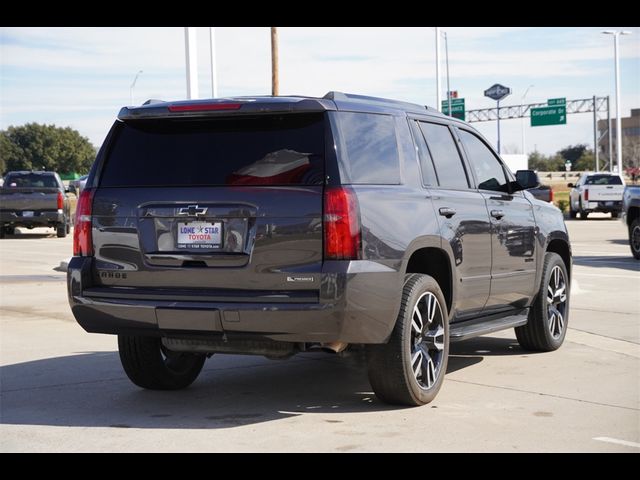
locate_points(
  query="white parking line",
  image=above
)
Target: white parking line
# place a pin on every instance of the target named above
(632, 277)
(619, 442)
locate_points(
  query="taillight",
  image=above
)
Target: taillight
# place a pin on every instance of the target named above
(341, 224)
(204, 107)
(82, 241)
(60, 201)
(550, 194)
(586, 195)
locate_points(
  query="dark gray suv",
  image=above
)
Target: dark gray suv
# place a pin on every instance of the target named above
(276, 225)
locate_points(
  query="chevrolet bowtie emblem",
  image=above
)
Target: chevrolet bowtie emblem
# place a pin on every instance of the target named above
(193, 211)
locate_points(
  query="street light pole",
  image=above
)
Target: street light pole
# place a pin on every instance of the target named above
(133, 85)
(524, 145)
(191, 54)
(446, 50)
(438, 82)
(212, 51)
(616, 34)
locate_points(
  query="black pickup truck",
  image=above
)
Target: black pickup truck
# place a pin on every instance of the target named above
(34, 199)
(276, 225)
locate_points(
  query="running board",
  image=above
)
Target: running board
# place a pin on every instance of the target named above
(474, 328)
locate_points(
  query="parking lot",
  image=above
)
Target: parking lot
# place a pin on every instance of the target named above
(64, 390)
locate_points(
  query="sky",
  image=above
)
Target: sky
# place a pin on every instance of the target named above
(80, 77)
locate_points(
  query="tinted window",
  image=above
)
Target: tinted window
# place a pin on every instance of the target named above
(487, 167)
(266, 150)
(603, 180)
(30, 180)
(445, 155)
(371, 154)
(426, 163)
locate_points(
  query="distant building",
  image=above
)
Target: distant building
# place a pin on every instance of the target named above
(630, 132)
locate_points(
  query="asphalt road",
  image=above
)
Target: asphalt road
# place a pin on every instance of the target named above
(62, 389)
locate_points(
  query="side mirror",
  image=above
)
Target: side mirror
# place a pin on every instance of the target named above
(527, 179)
(570, 185)
(67, 189)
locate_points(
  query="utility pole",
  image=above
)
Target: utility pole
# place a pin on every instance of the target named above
(438, 82)
(609, 135)
(212, 51)
(191, 55)
(595, 134)
(446, 50)
(274, 62)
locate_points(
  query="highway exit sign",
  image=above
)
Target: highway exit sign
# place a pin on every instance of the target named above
(556, 101)
(457, 108)
(552, 115)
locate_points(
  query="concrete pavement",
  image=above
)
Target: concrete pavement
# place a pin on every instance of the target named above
(62, 389)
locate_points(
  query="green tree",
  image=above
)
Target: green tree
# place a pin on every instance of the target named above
(45, 147)
(586, 162)
(573, 153)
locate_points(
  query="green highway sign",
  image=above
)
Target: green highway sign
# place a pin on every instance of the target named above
(457, 108)
(556, 115)
(556, 101)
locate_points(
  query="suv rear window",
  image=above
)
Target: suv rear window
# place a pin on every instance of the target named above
(603, 180)
(265, 150)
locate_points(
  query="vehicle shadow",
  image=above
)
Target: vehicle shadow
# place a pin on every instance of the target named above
(619, 241)
(90, 389)
(27, 235)
(626, 262)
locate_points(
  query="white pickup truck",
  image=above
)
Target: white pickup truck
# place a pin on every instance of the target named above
(596, 192)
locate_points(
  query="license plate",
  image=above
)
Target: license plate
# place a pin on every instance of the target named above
(199, 235)
(27, 213)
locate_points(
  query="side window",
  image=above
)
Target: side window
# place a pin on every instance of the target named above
(487, 167)
(371, 149)
(445, 155)
(426, 163)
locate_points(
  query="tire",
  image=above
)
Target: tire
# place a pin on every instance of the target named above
(2, 231)
(614, 214)
(149, 365)
(68, 227)
(548, 319)
(583, 213)
(634, 238)
(390, 365)
(61, 230)
(572, 212)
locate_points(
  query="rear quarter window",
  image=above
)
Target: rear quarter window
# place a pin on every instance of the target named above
(367, 148)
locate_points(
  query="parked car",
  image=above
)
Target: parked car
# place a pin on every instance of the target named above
(631, 217)
(76, 186)
(596, 192)
(34, 199)
(293, 223)
(540, 191)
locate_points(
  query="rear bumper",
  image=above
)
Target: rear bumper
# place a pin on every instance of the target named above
(41, 218)
(604, 206)
(358, 302)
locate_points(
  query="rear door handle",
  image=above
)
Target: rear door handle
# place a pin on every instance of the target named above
(497, 214)
(447, 212)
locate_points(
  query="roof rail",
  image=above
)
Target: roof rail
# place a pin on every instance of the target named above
(376, 100)
(151, 101)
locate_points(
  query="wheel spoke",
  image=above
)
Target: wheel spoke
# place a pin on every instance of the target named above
(560, 294)
(550, 295)
(431, 307)
(416, 363)
(416, 320)
(429, 371)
